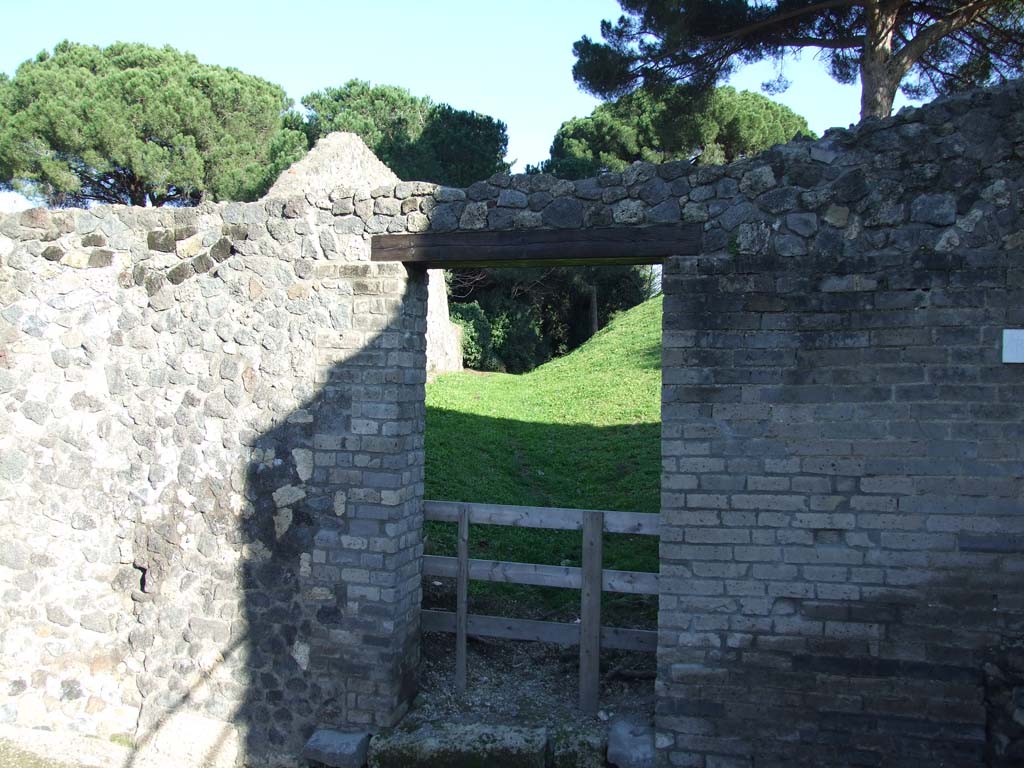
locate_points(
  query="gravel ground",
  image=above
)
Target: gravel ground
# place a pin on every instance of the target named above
(523, 683)
(528, 684)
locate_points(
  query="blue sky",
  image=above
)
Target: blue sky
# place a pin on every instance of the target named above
(512, 59)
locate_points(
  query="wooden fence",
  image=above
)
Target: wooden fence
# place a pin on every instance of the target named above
(591, 579)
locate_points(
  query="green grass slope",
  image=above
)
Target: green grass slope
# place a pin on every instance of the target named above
(582, 431)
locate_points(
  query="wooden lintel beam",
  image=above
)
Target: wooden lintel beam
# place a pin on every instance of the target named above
(540, 247)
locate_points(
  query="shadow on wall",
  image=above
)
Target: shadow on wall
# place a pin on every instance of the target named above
(326, 632)
(298, 654)
(858, 563)
(906, 685)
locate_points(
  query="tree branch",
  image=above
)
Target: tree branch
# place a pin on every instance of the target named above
(927, 37)
(788, 15)
(814, 42)
(100, 188)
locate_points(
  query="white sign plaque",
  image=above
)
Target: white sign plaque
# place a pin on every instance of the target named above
(1013, 345)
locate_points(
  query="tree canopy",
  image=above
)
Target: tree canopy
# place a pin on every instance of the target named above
(515, 318)
(718, 126)
(140, 125)
(418, 139)
(925, 46)
(537, 313)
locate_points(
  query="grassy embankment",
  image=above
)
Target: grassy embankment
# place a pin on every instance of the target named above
(582, 431)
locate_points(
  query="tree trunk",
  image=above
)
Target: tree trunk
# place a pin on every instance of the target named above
(878, 89)
(878, 80)
(136, 191)
(593, 310)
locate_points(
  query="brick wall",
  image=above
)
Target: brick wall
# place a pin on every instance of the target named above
(843, 488)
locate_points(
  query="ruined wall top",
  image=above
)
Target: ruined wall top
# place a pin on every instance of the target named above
(337, 160)
(342, 187)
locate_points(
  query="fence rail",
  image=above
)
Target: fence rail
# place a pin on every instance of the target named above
(591, 579)
(554, 518)
(567, 577)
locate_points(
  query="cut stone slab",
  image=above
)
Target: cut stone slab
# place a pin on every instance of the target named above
(186, 738)
(337, 749)
(631, 744)
(461, 746)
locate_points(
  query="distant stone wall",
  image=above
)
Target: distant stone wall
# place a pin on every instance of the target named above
(842, 552)
(444, 337)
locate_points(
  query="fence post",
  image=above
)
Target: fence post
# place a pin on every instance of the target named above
(590, 611)
(462, 599)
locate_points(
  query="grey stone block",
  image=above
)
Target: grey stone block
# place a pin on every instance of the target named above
(654, 191)
(934, 209)
(449, 195)
(664, 213)
(850, 187)
(180, 273)
(13, 464)
(563, 213)
(510, 198)
(100, 257)
(14, 555)
(337, 749)
(161, 240)
(96, 622)
(631, 744)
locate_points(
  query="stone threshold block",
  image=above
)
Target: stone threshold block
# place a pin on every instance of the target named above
(336, 749)
(461, 746)
(631, 745)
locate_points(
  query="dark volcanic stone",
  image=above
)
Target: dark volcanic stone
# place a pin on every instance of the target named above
(563, 213)
(161, 240)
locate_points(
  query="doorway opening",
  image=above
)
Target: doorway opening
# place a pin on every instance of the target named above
(541, 503)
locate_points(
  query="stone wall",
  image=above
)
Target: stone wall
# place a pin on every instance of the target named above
(339, 160)
(210, 472)
(444, 337)
(211, 451)
(212, 446)
(843, 494)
